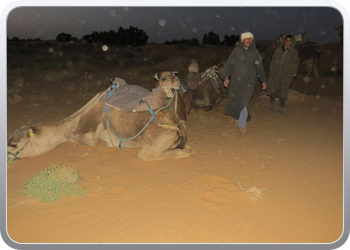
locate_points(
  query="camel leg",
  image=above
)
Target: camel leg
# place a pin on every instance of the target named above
(309, 67)
(90, 138)
(162, 147)
(168, 154)
(317, 77)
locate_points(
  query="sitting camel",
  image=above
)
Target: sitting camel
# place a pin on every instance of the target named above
(186, 93)
(160, 132)
(207, 88)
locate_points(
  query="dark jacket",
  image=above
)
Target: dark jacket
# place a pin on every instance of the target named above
(243, 67)
(283, 67)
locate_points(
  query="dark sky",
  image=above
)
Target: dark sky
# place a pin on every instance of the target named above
(169, 23)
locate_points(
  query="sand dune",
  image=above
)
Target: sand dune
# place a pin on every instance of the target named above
(282, 183)
(294, 162)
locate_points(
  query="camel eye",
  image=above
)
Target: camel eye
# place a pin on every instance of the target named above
(163, 79)
(13, 145)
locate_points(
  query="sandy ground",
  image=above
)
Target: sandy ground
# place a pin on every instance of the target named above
(293, 162)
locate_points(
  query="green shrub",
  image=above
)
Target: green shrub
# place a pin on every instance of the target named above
(52, 183)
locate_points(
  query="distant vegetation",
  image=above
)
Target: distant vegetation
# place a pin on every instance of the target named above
(132, 36)
(193, 42)
(16, 39)
(137, 37)
(210, 38)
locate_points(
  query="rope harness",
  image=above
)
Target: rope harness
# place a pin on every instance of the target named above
(212, 75)
(16, 154)
(107, 121)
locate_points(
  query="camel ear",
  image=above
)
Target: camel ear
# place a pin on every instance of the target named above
(156, 76)
(31, 132)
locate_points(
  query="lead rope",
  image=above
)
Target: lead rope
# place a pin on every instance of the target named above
(16, 154)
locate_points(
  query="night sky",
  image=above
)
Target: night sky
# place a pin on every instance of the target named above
(169, 23)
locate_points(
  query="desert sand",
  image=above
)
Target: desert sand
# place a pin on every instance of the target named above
(281, 183)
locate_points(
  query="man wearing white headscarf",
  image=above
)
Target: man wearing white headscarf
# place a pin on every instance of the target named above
(240, 72)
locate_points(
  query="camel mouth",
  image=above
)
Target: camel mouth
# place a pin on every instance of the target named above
(11, 156)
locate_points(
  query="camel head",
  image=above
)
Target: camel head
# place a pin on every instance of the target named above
(192, 66)
(168, 81)
(19, 142)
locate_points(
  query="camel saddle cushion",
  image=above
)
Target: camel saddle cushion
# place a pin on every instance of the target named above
(134, 98)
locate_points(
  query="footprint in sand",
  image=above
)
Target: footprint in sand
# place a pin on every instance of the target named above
(218, 191)
(179, 188)
(236, 162)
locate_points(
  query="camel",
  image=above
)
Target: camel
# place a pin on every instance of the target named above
(309, 55)
(207, 88)
(159, 133)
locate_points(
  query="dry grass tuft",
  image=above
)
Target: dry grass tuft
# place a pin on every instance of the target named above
(254, 193)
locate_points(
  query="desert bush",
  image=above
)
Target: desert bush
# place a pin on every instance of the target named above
(52, 183)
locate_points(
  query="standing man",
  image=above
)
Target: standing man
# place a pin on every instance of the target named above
(240, 72)
(283, 68)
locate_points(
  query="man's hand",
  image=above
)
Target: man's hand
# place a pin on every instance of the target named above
(264, 86)
(226, 82)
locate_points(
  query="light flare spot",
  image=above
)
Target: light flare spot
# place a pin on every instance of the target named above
(334, 69)
(194, 30)
(104, 47)
(257, 62)
(323, 86)
(50, 50)
(306, 79)
(161, 22)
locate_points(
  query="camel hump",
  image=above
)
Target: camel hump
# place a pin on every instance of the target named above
(128, 97)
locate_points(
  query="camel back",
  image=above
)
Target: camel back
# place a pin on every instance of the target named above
(129, 98)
